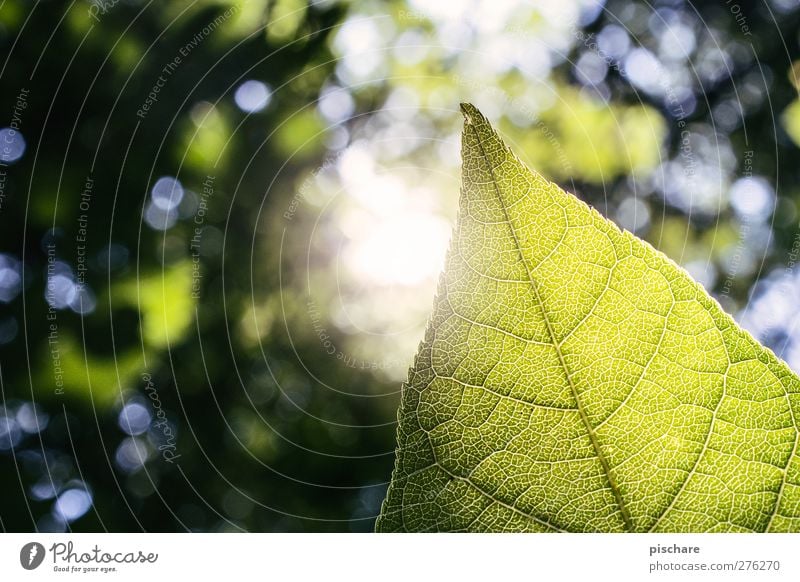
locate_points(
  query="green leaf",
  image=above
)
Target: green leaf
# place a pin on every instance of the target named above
(573, 378)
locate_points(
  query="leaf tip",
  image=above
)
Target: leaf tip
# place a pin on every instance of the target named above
(470, 112)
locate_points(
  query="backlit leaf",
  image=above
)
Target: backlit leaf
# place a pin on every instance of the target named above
(573, 378)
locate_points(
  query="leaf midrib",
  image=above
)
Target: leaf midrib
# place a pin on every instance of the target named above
(626, 519)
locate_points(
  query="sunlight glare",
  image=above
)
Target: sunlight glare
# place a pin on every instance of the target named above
(407, 249)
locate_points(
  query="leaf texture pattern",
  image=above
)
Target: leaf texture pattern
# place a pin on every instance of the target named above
(573, 378)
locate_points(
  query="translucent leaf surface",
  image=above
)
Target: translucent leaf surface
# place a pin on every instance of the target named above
(573, 378)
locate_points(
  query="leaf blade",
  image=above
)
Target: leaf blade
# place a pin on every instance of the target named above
(553, 334)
